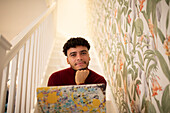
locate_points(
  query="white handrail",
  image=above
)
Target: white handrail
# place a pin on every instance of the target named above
(24, 65)
(24, 36)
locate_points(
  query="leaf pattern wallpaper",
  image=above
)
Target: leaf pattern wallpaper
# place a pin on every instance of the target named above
(132, 38)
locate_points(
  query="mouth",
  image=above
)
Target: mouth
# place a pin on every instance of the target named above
(80, 63)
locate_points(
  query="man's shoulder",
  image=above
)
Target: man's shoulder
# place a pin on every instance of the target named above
(93, 73)
(62, 71)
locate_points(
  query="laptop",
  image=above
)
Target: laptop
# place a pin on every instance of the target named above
(72, 99)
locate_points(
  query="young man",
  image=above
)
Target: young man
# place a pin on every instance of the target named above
(77, 52)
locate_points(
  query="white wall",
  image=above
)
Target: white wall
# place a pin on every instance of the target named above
(71, 18)
(15, 15)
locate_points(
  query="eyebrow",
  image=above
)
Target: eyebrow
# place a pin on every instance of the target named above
(83, 51)
(76, 52)
(72, 53)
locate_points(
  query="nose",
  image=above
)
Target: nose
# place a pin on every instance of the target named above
(79, 57)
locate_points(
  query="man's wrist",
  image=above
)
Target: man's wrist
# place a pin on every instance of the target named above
(79, 83)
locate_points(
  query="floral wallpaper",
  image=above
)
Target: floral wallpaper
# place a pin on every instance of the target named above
(132, 38)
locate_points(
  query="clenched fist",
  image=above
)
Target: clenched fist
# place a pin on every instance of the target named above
(81, 76)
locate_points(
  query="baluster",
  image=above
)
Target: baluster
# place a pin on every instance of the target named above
(37, 59)
(24, 85)
(29, 76)
(40, 55)
(36, 64)
(34, 71)
(42, 52)
(20, 80)
(3, 97)
(12, 87)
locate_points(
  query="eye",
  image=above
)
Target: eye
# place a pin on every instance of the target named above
(83, 53)
(73, 55)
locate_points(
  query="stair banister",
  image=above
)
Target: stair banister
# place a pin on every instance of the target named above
(23, 64)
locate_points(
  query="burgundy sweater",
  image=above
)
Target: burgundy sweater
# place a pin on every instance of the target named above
(67, 77)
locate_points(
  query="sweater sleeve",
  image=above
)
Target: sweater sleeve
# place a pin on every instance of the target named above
(50, 81)
(95, 78)
(100, 79)
(54, 80)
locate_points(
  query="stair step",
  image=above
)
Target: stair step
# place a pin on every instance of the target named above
(57, 61)
(57, 54)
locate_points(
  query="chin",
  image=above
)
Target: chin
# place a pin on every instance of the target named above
(82, 68)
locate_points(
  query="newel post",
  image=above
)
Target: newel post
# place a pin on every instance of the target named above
(4, 47)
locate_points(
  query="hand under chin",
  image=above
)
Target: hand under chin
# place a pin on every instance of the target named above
(82, 68)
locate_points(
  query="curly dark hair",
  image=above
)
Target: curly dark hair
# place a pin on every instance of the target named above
(73, 42)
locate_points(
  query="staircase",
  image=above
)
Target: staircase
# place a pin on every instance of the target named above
(23, 62)
(26, 61)
(58, 61)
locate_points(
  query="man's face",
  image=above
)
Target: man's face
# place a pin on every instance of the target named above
(78, 57)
